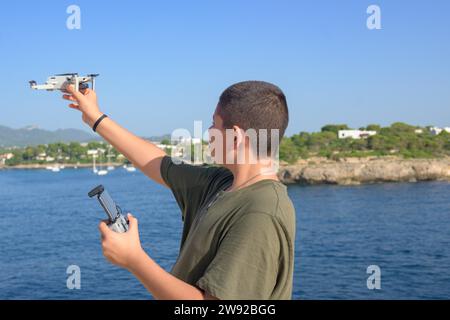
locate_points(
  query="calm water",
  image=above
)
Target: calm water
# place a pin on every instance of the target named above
(48, 223)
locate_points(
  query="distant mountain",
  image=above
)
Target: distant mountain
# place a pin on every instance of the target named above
(32, 135)
(158, 138)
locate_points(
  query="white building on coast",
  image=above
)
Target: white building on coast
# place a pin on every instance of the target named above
(435, 130)
(5, 156)
(355, 134)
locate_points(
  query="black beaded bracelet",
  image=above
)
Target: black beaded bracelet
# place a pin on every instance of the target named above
(98, 122)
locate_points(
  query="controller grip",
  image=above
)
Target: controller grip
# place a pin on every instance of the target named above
(120, 225)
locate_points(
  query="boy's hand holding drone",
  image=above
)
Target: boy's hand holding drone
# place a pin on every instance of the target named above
(84, 101)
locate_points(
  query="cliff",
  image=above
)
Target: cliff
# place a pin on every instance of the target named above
(350, 171)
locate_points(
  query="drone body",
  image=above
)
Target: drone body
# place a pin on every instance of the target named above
(60, 81)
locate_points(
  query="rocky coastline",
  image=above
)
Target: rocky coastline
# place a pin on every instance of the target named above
(354, 171)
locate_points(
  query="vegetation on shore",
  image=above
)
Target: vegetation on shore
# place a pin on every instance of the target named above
(398, 139)
(67, 153)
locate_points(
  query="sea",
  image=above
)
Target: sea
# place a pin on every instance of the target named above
(378, 241)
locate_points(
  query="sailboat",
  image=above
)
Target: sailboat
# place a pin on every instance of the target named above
(102, 172)
(129, 168)
(110, 167)
(94, 168)
(56, 167)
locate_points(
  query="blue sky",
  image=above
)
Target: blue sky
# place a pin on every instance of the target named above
(163, 64)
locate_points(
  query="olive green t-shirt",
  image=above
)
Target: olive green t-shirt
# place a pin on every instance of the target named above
(237, 244)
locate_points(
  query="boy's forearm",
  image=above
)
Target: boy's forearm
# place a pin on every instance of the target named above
(143, 154)
(161, 284)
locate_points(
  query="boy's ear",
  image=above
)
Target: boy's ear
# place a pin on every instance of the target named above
(237, 134)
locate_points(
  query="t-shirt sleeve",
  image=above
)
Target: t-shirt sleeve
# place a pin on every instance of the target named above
(190, 184)
(247, 260)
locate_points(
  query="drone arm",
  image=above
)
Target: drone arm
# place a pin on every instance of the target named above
(42, 86)
(77, 84)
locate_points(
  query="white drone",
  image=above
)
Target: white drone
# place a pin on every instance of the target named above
(61, 81)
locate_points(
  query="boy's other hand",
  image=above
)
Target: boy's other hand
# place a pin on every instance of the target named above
(121, 249)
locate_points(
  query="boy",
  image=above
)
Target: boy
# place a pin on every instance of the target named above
(239, 223)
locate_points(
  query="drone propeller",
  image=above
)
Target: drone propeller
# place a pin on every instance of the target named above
(67, 74)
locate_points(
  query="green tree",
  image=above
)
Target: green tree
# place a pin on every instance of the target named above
(334, 128)
(373, 127)
(165, 142)
(288, 151)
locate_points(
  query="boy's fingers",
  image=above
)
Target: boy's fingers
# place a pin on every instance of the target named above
(69, 97)
(78, 95)
(74, 106)
(133, 221)
(84, 91)
(104, 230)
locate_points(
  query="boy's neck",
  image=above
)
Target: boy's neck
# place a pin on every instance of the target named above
(248, 174)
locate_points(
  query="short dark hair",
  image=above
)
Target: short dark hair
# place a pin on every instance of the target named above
(255, 105)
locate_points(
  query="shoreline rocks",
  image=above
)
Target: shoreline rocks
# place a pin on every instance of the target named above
(354, 171)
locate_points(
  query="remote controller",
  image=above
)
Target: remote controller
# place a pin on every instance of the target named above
(117, 222)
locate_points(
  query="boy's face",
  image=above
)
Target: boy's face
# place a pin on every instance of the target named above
(218, 144)
(229, 146)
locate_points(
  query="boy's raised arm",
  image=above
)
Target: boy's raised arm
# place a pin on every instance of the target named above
(142, 153)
